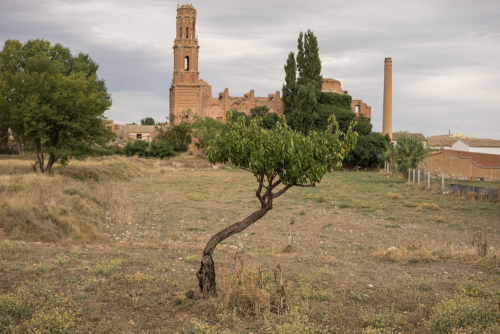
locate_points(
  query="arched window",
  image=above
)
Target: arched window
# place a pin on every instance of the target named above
(180, 32)
(187, 34)
(186, 63)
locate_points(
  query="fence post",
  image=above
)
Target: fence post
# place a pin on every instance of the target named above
(428, 180)
(442, 181)
(409, 175)
(413, 179)
(419, 176)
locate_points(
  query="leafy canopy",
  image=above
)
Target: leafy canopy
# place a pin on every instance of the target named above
(147, 121)
(408, 152)
(297, 159)
(53, 100)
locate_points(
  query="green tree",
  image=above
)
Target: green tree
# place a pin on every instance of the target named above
(408, 152)
(308, 62)
(54, 101)
(179, 132)
(279, 159)
(147, 121)
(269, 119)
(303, 84)
(206, 129)
(370, 150)
(289, 91)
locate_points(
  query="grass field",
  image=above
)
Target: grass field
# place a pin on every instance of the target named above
(111, 245)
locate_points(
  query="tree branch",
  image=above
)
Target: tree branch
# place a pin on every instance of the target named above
(305, 185)
(248, 170)
(282, 191)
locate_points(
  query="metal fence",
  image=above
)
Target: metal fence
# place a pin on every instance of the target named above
(421, 176)
(483, 192)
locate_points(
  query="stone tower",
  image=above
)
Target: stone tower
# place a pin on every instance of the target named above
(185, 92)
(387, 116)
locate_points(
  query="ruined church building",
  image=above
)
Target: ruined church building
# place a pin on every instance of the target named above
(189, 92)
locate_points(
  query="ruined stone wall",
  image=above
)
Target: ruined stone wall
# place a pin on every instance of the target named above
(332, 86)
(464, 164)
(360, 108)
(217, 107)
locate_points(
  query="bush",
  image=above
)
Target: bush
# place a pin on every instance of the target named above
(161, 149)
(388, 320)
(157, 149)
(461, 312)
(8, 151)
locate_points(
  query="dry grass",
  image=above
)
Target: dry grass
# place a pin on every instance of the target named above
(50, 208)
(394, 196)
(439, 219)
(415, 252)
(430, 206)
(343, 275)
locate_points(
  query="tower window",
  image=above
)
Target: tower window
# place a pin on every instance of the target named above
(186, 63)
(180, 32)
(187, 35)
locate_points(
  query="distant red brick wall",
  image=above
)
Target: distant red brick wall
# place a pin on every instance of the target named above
(465, 164)
(483, 159)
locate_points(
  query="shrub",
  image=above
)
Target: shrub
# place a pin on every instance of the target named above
(161, 149)
(430, 206)
(439, 219)
(387, 319)
(394, 196)
(461, 312)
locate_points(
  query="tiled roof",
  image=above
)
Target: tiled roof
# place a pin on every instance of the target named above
(138, 128)
(419, 135)
(475, 142)
(440, 141)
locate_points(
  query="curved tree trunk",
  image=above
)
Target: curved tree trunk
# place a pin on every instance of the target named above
(50, 163)
(206, 274)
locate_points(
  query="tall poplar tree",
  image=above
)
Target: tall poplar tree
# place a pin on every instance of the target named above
(290, 87)
(303, 83)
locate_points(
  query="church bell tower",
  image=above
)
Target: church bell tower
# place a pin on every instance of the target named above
(185, 92)
(186, 47)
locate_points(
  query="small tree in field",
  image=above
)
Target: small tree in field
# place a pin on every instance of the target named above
(408, 152)
(279, 159)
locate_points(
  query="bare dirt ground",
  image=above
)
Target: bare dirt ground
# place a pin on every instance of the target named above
(370, 254)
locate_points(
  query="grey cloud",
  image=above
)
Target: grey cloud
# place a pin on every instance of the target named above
(445, 67)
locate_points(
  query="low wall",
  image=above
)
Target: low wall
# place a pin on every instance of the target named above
(464, 164)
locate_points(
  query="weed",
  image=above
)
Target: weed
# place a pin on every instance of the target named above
(439, 219)
(106, 267)
(479, 287)
(163, 266)
(479, 241)
(394, 196)
(393, 217)
(45, 267)
(388, 320)
(460, 312)
(430, 206)
(72, 191)
(392, 225)
(90, 284)
(196, 326)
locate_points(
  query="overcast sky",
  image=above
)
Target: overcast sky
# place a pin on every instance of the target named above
(446, 54)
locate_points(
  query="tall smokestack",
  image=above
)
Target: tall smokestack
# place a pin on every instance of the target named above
(387, 117)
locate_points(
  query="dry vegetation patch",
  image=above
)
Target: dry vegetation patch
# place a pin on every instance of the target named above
(362, 262)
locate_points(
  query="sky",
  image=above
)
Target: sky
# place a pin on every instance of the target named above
(445, 53)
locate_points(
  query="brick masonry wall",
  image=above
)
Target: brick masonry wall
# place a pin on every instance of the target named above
(465, 164)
